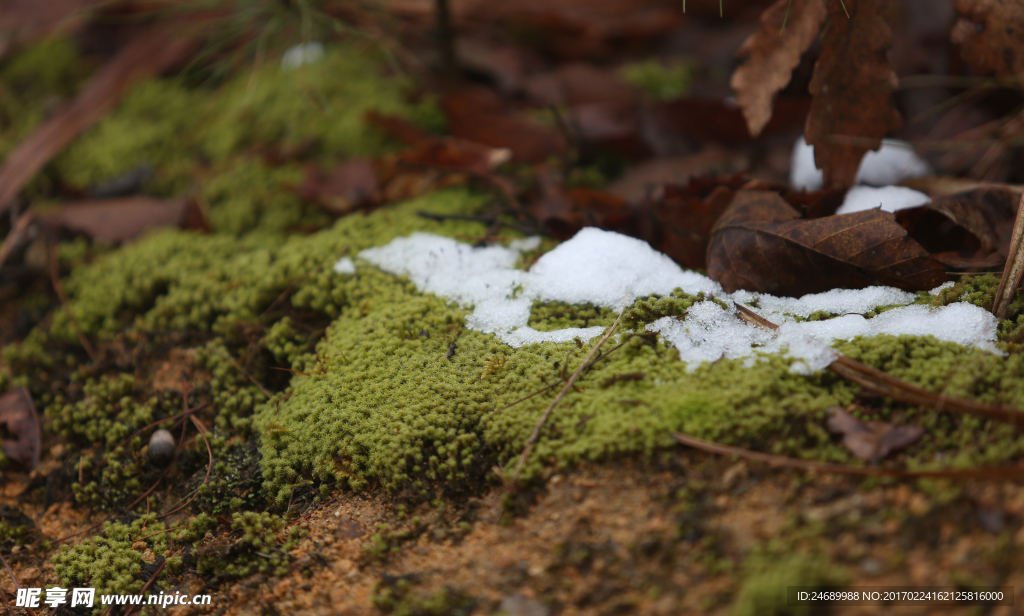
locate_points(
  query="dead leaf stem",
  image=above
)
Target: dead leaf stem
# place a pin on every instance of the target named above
(887, 385)
(1014, 269)
(561, 394)
(984, 472)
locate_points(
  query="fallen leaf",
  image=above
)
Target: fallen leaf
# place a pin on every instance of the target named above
(647, 179)
(685, 215)
(348, 186)
(852, 86)
(19, 428)
(871, 440)
(579, 83)
(978, 222)
(479, 115)
(990, 34)
(564, 212)
(941, 185)
(150, 52)
(670, 127)
(771, 55)
(761, 244)
(120, 220)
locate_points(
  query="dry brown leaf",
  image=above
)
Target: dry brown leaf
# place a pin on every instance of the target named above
(772, 54)
(348, 186)
(151, 51)
(647, 179)
(990, 34)
(478, 115)
(976, 222)
(852, 87)
(871, 440)
(120, 220)
(761, 244)
(18, 418)
(686, 214)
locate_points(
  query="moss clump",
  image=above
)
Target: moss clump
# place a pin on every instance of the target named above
(763, 592)
(549, 316)
(178, 128)
(257, 549)
(112, 562)
(108, 413)
(394, 595)
(659, 81)
(653, 307)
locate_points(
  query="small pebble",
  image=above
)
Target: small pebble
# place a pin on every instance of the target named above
(161, 448)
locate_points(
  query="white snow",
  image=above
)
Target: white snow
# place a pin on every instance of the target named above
(888, 198)
(893, 162)
(345, 266)
(612, 270)
(303, 53)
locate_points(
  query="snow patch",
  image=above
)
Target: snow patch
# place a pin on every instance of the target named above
(303, 53)
(887, 198)
(612, 270)
(345, 266)
(893, 162)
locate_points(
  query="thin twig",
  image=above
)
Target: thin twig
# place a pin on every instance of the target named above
(1014, 269)
(209, 467)
(887, 385)
(984, 472)
(249, 376)
(13, 579)
(15, 235)
(561, 394)
(152, 579)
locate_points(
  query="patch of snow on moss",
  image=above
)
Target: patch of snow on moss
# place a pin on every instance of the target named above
(612, 270)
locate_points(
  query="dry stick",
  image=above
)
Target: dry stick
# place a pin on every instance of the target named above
(561, 394)
(55, 279)
(254, 381)
(7, 604)
(1014, 269)
(989, 472)
(13, 579)
(887, 385)
(14, 236)
(209, 467)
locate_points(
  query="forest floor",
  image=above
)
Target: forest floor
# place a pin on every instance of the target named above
(179, 186)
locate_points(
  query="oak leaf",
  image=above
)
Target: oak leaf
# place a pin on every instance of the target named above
(990, 34)
(871, 440)
(761, 244)
(771, 55)
(852, 88)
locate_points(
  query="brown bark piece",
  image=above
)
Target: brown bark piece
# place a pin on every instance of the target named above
(772, 54)
(761, 244)
(990, 34)
(852, 88)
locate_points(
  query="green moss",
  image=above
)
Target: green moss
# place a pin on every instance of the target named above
(549, 316)
(659, 81)
(32, 83)
(763, 592)
(177, 129)
(108, 562)
(396, 596)
(257, 548)
(108, 413)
